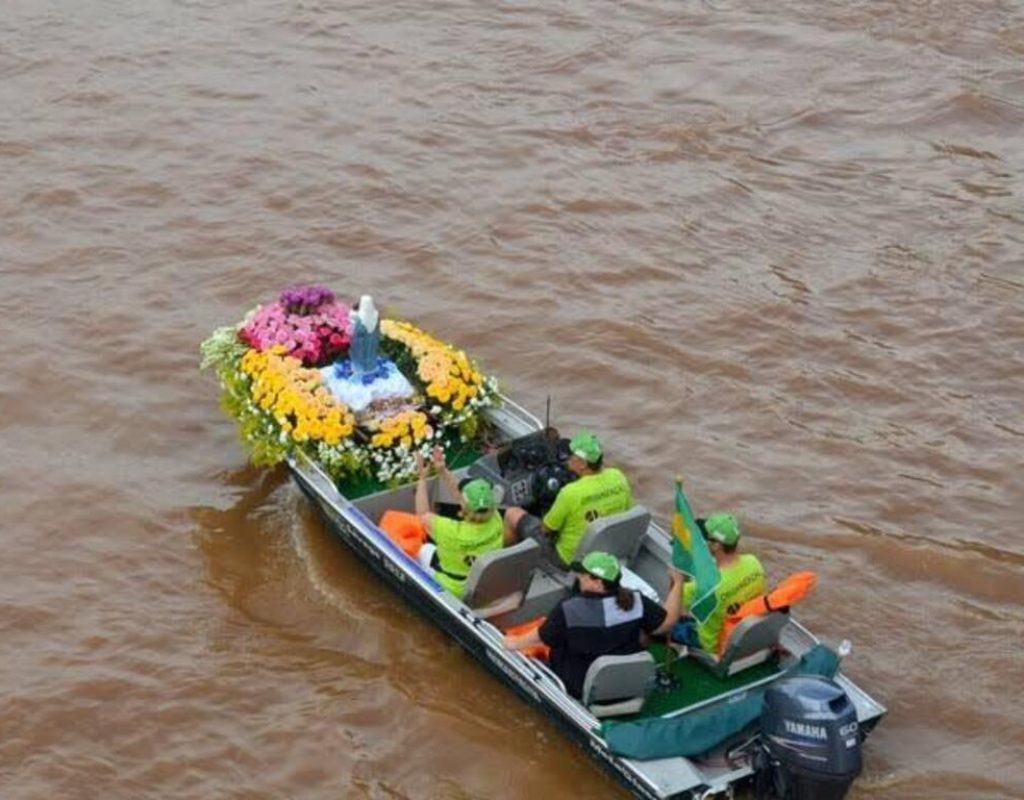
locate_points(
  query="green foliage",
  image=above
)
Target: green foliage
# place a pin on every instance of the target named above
(403, 358)
(341, 463)
(468, 428)
(222, 348)
(258, 431)
(266, 452)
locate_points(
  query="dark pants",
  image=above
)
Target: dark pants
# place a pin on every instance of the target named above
(685, 632)
(530, 527)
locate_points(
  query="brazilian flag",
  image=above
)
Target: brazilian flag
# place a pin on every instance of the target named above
(690, 554)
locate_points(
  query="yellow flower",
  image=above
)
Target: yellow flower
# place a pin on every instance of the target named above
(296, 397)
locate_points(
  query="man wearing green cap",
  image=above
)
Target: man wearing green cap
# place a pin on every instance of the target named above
(598, 492)
(603, 618)
(741, 579)
(457, 542)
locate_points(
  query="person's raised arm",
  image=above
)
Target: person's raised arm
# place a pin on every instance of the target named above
(446, 475)
(423, 509)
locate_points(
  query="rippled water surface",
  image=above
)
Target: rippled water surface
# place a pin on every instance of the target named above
(776, 246)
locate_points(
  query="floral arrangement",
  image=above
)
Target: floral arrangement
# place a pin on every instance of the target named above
(295, 396)
(269, 370)
(448, 376)
(306, 321)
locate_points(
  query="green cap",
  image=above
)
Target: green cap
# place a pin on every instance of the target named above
(722, 528)
(601, 565)
(478, 495)
(586, 446)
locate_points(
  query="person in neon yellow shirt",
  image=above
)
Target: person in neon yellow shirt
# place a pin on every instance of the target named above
(742, 579)
(599, 491)
(456, 543)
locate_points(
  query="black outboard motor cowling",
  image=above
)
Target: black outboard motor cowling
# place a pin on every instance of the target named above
(810, 733)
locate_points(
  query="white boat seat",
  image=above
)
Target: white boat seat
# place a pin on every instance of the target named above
(618, 534)
(617, 685)
(630, 580)
(497, 581)
(751, 642)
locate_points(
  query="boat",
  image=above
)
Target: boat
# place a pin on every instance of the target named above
(773, 711)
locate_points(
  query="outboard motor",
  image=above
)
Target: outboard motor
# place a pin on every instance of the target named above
(811, 742)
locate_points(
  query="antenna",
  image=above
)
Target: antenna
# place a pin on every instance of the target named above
(550, 434)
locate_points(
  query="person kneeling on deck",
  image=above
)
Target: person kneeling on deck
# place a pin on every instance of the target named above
(741, 579)
(598, 492)
(457, 542)
(603, 619)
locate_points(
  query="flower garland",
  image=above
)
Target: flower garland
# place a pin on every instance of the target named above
(266, 366)
(458, 389)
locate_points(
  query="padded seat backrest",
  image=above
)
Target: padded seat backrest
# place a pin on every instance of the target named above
(498, 579)
(753, 635)
(751, 642)
(618, 684)
(618, 534)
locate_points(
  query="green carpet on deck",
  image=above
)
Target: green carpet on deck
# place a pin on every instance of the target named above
(694, 683)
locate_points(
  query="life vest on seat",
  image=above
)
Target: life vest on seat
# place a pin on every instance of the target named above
(791, 590)
(541, 651)
(404, 529)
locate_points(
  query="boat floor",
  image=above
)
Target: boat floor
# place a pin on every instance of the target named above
(693, 684)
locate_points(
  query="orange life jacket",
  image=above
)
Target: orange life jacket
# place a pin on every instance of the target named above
(791, 590)
(541, 651)
(404, 529)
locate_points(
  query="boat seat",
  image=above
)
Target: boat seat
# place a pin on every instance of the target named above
(497, 581)
(544, 592)
(617, 685)
(618, 534)
(752, 642)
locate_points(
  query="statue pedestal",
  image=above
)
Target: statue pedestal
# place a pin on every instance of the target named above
(358, 390)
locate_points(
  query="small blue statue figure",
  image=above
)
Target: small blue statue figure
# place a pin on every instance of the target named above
(365, 376)
(362, 351)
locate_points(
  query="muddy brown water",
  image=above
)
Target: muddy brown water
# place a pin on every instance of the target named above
(778, 247)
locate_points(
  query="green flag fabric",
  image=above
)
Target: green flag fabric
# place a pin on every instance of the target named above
(690, 554)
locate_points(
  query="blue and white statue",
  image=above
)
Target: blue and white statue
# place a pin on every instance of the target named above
(362, 351)
(365, 377)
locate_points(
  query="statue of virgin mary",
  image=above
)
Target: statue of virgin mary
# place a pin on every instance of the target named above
(364, 378)
(365, 337)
